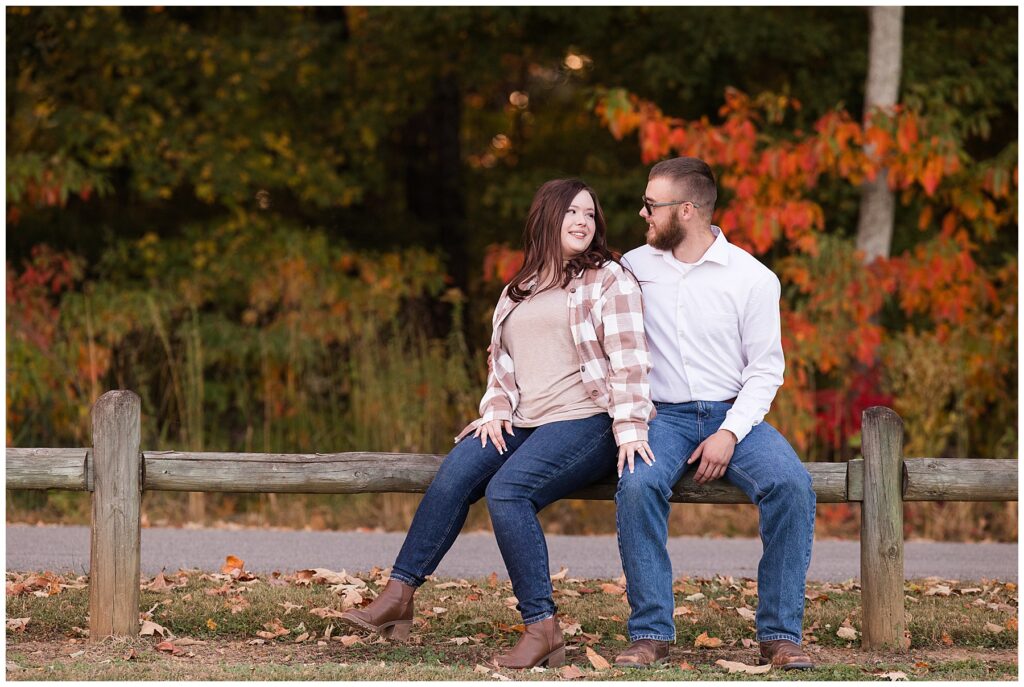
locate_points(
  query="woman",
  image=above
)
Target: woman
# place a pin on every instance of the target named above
(567, 385)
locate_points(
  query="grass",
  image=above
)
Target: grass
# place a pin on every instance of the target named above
(461, 624)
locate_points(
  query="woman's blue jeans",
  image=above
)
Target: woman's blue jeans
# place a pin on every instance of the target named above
(541, 465)
(765, 467)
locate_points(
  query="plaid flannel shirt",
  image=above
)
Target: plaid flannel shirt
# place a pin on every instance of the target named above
(607, 324)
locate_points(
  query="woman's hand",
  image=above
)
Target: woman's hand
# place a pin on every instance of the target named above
(493, 429)
(631, 448)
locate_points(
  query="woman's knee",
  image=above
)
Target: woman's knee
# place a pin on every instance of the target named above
(501, 488)
(641, 485)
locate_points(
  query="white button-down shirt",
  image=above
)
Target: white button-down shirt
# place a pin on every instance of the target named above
(713, 329)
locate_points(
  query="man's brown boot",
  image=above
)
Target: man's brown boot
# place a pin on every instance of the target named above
(390, 614)
(540, 644)
(785, 654)
(643, 653)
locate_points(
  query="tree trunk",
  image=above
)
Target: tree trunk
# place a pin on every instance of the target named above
(877, 205)
(433, 174)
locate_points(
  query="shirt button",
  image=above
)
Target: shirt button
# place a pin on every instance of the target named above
(594, 392)
(582, 368)
(572, 290)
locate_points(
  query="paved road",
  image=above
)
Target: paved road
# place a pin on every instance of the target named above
(475, 554)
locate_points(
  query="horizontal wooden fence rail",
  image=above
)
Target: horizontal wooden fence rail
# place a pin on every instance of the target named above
(924, 479)
(117, 471)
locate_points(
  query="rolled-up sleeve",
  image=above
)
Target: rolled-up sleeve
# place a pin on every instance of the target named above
(629, 360)
(765, 364)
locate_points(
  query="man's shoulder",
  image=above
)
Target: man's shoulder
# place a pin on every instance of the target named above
(755, 270)
(640, 257)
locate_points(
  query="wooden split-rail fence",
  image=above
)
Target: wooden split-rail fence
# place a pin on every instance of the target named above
(117, 471)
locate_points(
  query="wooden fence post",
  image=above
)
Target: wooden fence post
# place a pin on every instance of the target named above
(116, 501)
(881, 530)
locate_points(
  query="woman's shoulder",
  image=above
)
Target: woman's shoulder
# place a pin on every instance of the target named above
(609, 273)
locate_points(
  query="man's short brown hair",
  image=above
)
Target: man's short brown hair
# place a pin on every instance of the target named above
(693, 177)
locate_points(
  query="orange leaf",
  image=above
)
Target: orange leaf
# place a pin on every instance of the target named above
(703, 641)
(597, 660)
(231, 564)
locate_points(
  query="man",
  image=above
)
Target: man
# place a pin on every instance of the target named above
(711, 312)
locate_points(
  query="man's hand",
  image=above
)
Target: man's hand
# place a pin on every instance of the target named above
(631, 448)
(714, 454)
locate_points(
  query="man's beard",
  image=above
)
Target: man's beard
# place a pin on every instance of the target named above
(669, 236)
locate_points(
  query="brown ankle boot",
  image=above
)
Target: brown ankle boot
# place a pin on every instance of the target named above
(540, 644)
(390, 614)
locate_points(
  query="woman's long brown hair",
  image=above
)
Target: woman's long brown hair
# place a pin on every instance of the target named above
(542, 239)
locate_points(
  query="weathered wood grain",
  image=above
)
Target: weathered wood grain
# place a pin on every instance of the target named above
(116, 500)
(352, 473)
(959, 479)
(881, 530)
(48, 468)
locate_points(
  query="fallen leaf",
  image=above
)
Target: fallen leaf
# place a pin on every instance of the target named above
(439, 610)
(256, 641)
(170, 648)
(682, 610)
(597, 660)
(158, 584)
(459, 641)
(571, 629)
(499, 676)
(847, 633)
(748, 643)
(1011, 624)
(707, 642)
(210, 623)
(237, 604)
(288, 607)
(538, 669)
(481, 669)
(685, 666)
(326, 612)
(894, 675)
(946, 639)
(131, 655)
(187, 641)
(349, 640)
(570, 593)
(993, 628)
(492, 580)
(695, 597)
(77, 654)
(613, 589)
(735, 667)
(570, 673)
(511, 602)
(746, 613)
(231, 565)
(970, 590)
(301, 638)
(274, 630)
(560, 575)
(18, 624)
(149, 628)
(938, 590)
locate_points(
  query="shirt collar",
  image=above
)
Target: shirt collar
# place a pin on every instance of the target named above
(718, 251)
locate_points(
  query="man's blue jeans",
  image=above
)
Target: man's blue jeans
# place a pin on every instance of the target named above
(766, 468)
(541, 465)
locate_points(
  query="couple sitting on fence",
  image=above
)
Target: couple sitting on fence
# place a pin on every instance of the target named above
(590, 375)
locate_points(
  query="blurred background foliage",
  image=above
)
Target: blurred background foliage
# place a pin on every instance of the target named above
(286, 228)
